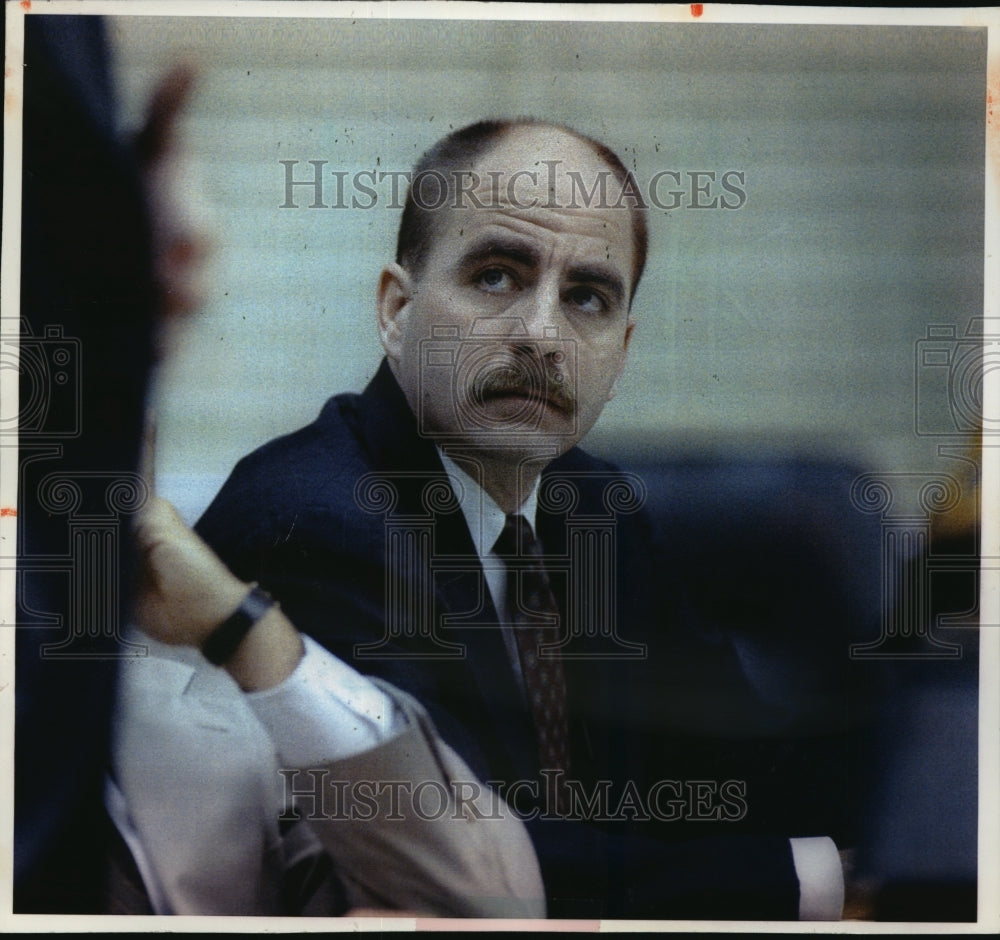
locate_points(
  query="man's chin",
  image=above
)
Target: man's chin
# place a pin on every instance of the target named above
(515, 439)
(517, 450)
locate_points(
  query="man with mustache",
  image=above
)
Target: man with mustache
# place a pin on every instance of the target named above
(406, 529)
(538, 383)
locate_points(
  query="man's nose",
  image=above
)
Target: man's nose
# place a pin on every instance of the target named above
(541, 313)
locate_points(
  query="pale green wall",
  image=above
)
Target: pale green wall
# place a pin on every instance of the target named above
(789, 323)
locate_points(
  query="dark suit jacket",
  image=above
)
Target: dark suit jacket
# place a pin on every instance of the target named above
(306, 517)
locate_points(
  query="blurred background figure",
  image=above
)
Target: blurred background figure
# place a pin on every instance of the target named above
(919, 857)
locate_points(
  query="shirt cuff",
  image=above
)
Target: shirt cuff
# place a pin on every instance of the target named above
(821, 878)
(325, 711)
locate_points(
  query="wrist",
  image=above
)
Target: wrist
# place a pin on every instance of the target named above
(269, 653)
(219, 604)
(222, 643)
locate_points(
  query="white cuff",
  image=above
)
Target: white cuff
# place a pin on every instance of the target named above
(821, 878)
(325, 711)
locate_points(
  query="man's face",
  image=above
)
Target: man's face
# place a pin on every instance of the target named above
(514, 333)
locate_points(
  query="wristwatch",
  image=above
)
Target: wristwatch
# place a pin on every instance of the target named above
(224, 640)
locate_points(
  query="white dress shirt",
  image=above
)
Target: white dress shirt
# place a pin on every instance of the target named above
(486, 520)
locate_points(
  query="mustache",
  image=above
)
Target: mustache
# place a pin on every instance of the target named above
(534, 377)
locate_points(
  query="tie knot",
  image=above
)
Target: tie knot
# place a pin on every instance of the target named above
(516, 540)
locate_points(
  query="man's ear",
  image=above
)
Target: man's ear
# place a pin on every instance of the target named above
(629, 327)
(395, 290)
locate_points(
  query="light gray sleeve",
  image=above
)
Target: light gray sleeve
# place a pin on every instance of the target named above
(413, 829)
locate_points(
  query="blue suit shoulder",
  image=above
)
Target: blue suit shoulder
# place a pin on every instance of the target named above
(313, 469)
(602, 484)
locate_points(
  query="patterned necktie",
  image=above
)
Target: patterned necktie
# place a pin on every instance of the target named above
(533, 615)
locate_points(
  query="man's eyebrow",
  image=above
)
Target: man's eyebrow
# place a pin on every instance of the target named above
(494, 246)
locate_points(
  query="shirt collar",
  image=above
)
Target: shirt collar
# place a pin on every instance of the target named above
(483, 516)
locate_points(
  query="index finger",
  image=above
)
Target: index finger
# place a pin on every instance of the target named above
(169, 98)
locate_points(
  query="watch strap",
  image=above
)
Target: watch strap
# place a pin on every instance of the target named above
(223, 641)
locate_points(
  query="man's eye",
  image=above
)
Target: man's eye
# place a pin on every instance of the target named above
(587, 300)
(495, 279)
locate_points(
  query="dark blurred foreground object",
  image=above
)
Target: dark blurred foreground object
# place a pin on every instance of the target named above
(780, 576)
(87, 306)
